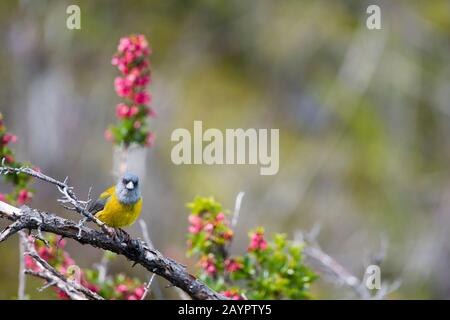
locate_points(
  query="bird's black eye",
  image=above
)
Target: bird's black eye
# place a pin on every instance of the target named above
(124, 181)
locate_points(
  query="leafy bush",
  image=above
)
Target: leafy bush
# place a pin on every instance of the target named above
(268, 270)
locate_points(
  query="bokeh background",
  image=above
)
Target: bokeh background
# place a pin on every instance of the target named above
(363, 118)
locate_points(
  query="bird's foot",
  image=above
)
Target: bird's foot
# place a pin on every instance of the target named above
(110, 231)
(120, 235)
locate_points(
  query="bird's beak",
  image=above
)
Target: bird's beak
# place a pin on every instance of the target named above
(130, 185)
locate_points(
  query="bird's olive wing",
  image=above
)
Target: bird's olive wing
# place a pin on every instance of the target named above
(98, 205)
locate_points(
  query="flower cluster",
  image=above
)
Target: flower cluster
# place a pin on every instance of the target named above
(257, 241)
(268, 270)
(233, 294)
(208, 264)
(55, 255)
(121, 287)
(208, 228)
(21, 192)
(233, 265)
(132, 60)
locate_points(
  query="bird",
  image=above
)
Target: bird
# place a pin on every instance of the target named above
(120, 205)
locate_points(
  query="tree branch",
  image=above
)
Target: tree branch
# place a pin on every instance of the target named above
(134, 249)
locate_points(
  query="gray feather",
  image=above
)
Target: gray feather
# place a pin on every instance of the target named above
(97, 205)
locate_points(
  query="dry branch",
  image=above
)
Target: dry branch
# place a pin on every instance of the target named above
(133, 249)
(46, 272)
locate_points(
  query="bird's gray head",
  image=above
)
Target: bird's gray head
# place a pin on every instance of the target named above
(127, 189)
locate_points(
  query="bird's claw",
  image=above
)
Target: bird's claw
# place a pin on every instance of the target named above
(119, 234)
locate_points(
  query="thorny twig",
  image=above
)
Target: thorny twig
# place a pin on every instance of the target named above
(71, 287)
(69, 196)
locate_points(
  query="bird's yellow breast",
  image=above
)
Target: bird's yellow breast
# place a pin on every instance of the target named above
(117, 215)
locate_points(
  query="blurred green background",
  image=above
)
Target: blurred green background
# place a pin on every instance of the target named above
(363, 118)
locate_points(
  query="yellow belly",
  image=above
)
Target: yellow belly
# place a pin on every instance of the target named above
(118, 215)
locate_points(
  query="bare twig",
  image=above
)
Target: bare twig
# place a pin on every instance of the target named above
(53, 281)
(237, 209)
(72, 288)
(324, 263)
(145, 233)
(22, 280)
(69, 196)
(147, 286)
(336, 271)
(102, 268)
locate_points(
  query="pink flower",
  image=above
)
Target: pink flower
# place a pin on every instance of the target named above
(232, 265)
(133, 111)
(115, 61)
(196, 223)
(132, 61)
(194, 229)
(232, 294)
(143, 81)
(220, 217)
(132, 297)
(62, 295)
(24, 195)
(211, 269)
(123, 68)
(124, 44)
(194, 219)
(139, 292)
(122, 111)
(208, 264)
(209, 227)
(7, 138)
(257, 241)
(2, 197)
(121, 288)
(30, 264)
(263, 244)
(45, 253)
(123, 86)
(9, 158)
(142, 97)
